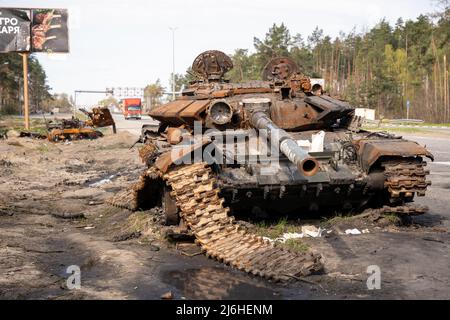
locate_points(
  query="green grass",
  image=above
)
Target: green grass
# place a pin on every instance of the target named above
(40, 130)
(275, 230)
(388, 121)
(420, 124)
(391, 218)
(396, 129)
(405, 130)
(296, 245)
(16, 123)
(435, 124)
(326, 222)
(138, 221)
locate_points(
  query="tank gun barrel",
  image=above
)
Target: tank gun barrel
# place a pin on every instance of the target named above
(87, 113)
(306, 164)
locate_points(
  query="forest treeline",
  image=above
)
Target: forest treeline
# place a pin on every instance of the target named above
(11, 84)
(11, 87)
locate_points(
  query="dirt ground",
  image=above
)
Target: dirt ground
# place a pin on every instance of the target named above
(53, 214)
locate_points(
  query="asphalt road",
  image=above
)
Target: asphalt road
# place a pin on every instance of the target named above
(133, 126)
(439, 146)
(438, 196)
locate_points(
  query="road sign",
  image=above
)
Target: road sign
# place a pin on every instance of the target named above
(407, 108)
(127, 92)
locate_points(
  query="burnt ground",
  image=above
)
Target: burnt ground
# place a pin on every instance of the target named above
(42, 184)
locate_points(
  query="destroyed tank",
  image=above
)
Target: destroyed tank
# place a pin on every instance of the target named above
(76, 129)
(262, 148)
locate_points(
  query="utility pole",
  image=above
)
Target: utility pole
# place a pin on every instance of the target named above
(173, 61)
(26, 111)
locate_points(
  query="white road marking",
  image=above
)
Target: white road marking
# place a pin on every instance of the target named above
(445, 163)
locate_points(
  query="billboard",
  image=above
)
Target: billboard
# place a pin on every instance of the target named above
(34, 30)
(49, 31)
(15, 27)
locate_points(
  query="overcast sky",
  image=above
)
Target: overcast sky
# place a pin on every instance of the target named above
(128, 43)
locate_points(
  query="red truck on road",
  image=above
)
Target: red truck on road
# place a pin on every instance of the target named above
(132, 108)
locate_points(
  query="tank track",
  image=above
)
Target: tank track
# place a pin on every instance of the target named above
(406, 178)
(123, 199)
(221, 238)
(129, 197)
(405, 210)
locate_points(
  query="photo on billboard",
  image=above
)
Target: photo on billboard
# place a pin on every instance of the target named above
(15, 30)
(49, 31)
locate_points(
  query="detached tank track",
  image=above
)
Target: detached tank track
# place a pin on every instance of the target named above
(406, 178)
(129, 197)
(123, 199)
(193, 187)
(405, 210)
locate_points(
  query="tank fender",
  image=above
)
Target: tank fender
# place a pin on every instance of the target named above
(165, 160)
(369, 150)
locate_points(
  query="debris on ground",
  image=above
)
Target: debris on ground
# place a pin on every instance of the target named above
(188, 249)
(312, 231)
(102, 182)
(3, 134)
(69, 215)
(153, 247)
(167, 296)
(127, 236)
(174, 235)
(353, 231)
(6, 212)
(287, 236)
(72, 129)
(33, 135)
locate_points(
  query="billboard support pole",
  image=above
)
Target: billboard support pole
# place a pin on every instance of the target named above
(26, 111)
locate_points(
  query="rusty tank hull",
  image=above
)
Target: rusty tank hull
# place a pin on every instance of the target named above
(76, 129)
(100, 117)
(268, 147)
(349, 170)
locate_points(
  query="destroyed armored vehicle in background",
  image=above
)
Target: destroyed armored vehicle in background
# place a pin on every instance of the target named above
(276, 146)
(75, 129)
